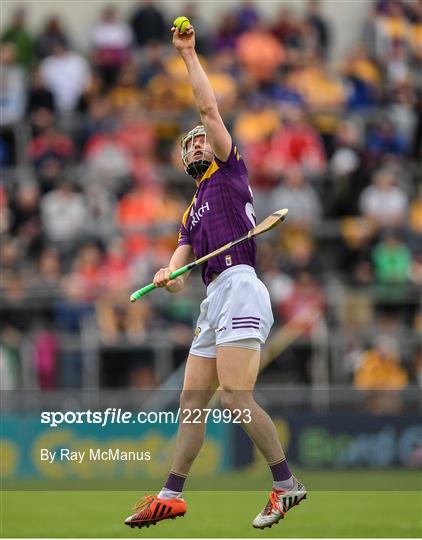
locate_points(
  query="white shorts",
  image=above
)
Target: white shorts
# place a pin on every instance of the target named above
(237, 307)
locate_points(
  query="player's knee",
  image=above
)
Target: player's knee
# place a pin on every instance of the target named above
(234, 399)
(191, 399)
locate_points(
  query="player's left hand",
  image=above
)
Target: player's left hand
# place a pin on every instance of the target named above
(184, 42)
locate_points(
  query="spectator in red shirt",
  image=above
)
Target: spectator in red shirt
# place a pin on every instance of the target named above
(49, 143)
(296, 143)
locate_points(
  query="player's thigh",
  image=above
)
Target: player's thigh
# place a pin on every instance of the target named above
(201, 382)
(237, 368)
(200, 373)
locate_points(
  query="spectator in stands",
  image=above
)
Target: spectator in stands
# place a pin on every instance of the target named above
(39, 96)
(118, 321)
(66, 74)
(48, 144)
(18, 34)
(380, 368)
(295, 143)
(101, 203)
(93, 90)
(246, 17)
(45, 358)
(401, 100)
(305, 304)
(12, 86)
(126, 93)
(224, 86)
(384, 201)
(98, 119)
(111, 41)
(63, 213)
(355, 255)
(135, 213)
(170, 91)
(106, 158)
(151, 63)
(286, 27)
(46, 283)
(300, 255)
(279, 285)
(254, 125)
(147, 23)
(259, 53)
(296, 194)
(71, 314)
(391, 28)
(52, 34)
(25, 218)
(363, 79)
(301, 310)
(392, 261)
(384, 140)
(138, 138)
(283, 93)
(225, 37)
(87, 270)
(319, 25)
(297, 35)
(322, 89)
(115, 270)
(345, 169)
(397, 65)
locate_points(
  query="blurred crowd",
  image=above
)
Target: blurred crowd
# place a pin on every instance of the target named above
(93, 188)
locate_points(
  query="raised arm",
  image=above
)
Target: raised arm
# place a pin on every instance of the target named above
(217, 133)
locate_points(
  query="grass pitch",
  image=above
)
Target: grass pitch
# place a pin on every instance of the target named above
(213, 514)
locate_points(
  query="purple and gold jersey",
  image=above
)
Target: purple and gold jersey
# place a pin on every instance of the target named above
(221, 211)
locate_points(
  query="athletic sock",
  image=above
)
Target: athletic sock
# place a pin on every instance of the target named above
(285, 485)
(283, 478)
(173, 487)
(168, 494)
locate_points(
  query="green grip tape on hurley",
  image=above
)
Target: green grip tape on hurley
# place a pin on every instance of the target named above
(150, 287)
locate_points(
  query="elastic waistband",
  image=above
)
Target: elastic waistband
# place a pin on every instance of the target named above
(238, 269)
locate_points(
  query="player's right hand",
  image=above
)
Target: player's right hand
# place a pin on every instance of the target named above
(184, 42)
(162, 279)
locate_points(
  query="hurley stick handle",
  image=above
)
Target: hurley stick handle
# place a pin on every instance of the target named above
(150, 287)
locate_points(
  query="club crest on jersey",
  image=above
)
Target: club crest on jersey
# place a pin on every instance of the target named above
(196, 216)
(228, 260)
(197, 331)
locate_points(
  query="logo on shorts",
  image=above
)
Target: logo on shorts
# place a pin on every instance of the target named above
(221, 329)
(197, 331)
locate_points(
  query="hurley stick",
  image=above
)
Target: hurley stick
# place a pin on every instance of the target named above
(267, 224)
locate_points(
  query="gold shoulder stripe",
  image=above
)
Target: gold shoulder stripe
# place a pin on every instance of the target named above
(186, 214)
(213, 168)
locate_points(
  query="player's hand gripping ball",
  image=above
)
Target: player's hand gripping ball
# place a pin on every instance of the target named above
(181, 23)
